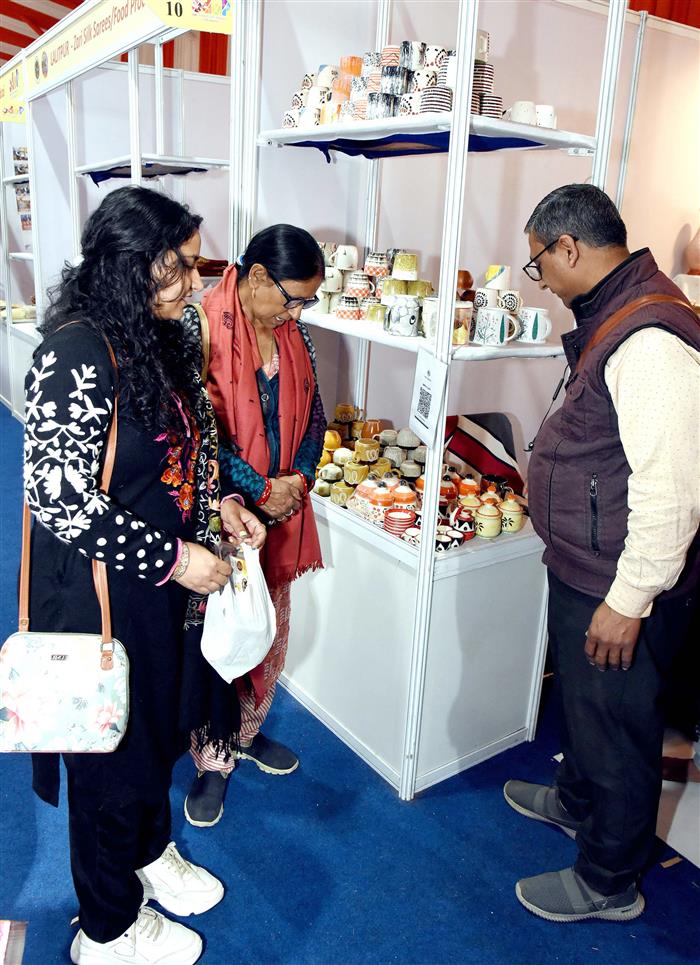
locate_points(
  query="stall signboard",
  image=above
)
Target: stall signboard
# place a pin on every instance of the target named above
(211, 16)
(112, 26)
(13, 106)
(107, 29)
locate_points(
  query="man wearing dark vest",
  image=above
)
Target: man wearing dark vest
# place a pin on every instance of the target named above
(614, 493)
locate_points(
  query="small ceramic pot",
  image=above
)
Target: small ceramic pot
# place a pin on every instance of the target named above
(488, 521)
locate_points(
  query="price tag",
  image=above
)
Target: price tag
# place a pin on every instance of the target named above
(428, 390)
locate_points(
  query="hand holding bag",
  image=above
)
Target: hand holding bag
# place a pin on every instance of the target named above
(64, 692)
(239, 624)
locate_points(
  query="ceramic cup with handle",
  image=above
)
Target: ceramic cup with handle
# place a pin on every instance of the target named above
(345, 257)
(510, 300)
(495, 327)
(359, 285)
(536, 324)
(486, 298)
(333, 282)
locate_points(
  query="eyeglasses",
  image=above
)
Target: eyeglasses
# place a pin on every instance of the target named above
(532, 268)
(291, 301)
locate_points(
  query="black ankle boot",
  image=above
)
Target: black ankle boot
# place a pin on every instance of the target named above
(204, 805)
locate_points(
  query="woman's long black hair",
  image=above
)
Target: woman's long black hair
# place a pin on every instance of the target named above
(113, 291)
(290, 253)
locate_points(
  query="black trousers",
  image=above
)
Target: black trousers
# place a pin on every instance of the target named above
(610, 777)
(107, 845)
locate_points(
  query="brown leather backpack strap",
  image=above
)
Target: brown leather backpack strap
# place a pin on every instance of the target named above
(622, 313)
(99, 570)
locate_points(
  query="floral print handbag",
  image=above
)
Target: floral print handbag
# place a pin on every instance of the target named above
(64, 692)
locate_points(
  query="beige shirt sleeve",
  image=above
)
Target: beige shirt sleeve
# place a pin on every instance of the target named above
(654, 383)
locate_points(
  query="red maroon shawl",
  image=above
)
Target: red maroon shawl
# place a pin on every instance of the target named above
(292, 547)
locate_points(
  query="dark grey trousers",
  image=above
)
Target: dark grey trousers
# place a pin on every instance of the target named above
(610, 778)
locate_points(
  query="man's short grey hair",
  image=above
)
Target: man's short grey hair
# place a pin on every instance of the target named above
(580, 210)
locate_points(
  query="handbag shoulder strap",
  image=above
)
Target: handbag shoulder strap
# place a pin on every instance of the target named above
(206, 339)
(621, 314)
(99, 570)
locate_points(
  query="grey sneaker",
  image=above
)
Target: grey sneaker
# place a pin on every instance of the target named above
(204, 805)
(564, 896)
(270, 756)
(540, 802)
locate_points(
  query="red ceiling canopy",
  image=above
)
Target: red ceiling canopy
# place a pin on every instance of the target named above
(682, 11)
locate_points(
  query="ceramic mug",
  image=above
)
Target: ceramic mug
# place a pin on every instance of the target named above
(309, 117)
(412, 55)
(291, 117)
(342, 455)
(510, 300)
(318, 96)
(486, 298)
(545, 116)
(372, 428)
(536, 324)
(333, 301)
(355, 472)
(322, 306)
(391, 287)
(420, 289)
(308, 81)
(395, 454)
(377, 313)
(495, 327)
(357, 429)
(403, 316)
(522, 112)
(330, 472)
(333, 281)
(498, 277)
(377, 264)
(348, 308)
(345, 257)
(407, 439)
(422, 78)
(429, 316)
(405, 266)
(366, 303)
(347, 412)
(359, 285)
(366, 450)
(341, 492)
(409, 105)
(387, 437)
(434, 56)
(327, 73)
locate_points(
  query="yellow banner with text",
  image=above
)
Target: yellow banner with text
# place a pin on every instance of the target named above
(13, 106)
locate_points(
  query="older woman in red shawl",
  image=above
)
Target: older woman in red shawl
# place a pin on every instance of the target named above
(262, 383)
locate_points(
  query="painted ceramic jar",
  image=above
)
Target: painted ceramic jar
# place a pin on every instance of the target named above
(488, 521)
(512, 513)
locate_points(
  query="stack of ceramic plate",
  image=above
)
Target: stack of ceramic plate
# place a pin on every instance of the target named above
(397, 521)
(436, 99)
(491, 105)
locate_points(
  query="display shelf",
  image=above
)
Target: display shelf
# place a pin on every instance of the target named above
(370, 331)
(426, 134)
(16, 179)
(21, 256)
(373, 332)
(153, 165)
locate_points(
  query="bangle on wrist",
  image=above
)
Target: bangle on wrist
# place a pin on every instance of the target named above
(183, 563)
(300, 474)
(265, 493)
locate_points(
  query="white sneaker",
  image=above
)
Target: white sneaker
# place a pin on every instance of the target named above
(151, 940)
(179, 886)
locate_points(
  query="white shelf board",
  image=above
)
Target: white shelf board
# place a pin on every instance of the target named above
(16, 179)
(513, 350)
(124, 160)
(426, 124)
(371, 331)
(21, 256)
(349, 522)
(472, 555)
(26, 331)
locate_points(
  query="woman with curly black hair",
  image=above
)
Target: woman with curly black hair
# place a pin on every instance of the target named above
(157, 529)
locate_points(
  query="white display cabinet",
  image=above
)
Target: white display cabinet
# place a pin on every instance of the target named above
(425, 664)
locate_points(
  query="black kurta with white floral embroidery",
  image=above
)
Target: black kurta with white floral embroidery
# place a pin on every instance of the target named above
(152, 501)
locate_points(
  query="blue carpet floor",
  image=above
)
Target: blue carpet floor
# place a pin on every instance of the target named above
(327, 866)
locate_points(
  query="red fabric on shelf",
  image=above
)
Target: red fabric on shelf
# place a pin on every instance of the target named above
(169, 54)
(681, 11)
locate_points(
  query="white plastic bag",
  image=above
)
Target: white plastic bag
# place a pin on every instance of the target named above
(240, 622)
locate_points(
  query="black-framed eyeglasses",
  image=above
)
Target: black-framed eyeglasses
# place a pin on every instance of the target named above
(293, 301)
(532, 268)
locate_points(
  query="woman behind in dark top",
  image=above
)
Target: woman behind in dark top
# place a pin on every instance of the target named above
(261, 378)
(157, 530)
